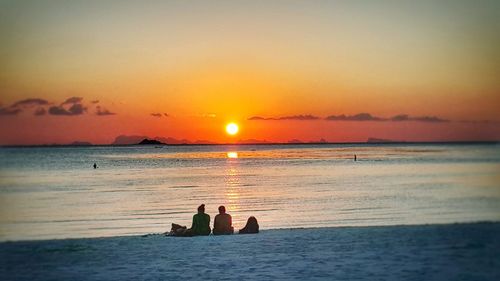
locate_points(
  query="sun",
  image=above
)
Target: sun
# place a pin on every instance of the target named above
(232, 129)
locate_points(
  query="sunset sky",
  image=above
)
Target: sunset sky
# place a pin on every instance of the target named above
(340, 71)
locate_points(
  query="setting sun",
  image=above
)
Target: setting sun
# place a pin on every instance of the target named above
(232, 129)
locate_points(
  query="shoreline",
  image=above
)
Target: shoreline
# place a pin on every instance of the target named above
(268, 230)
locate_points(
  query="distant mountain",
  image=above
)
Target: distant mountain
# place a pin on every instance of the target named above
(295, 141)
(149, 142)
(204, 142)
(81, 143)
(252, 141)
(124, 140)
(375, 140)
(135, 139)
(170, 140)
(318, 141)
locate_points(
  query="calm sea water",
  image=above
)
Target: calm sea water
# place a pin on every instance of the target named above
(55, 193)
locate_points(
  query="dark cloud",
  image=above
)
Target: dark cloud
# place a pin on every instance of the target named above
(30, 102)
(101, 111)
(19, 106)
(70, 107)
(75, 109)
(9, 111)
(293, 117)
(159, 115)
(40, 111)
(357, 117)
(58, 110)
(405, 117)
(299, 117)
(401, 117)
(429, 119)
(72, 100)
(257, 118)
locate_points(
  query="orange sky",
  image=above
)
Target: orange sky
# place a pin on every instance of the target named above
(205, 64)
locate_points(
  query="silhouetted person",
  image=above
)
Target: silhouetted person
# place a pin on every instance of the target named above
(95, 166)
(355, 158)
(177, 230)
(252, 226)
(223, 223)
(201, 222)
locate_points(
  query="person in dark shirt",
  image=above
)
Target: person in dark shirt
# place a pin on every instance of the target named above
(223, 223)
(252, 226)
(201, 223)
(200, 226)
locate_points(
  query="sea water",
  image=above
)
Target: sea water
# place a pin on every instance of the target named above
(54, 192)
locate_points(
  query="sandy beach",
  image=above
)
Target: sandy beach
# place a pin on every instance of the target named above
(429, 252)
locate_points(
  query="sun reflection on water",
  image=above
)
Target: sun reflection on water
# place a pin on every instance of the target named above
(232, 154)
(232, 192)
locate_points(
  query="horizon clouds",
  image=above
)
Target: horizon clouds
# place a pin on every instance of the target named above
(70, 107)
(356, 117)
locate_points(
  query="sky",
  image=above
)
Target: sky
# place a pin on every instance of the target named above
(338, 71)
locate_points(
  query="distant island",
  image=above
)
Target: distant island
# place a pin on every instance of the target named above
(123, 140)
(80, 143)
(150, 141)
(375, 140)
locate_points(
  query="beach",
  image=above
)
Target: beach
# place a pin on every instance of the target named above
(419, 252)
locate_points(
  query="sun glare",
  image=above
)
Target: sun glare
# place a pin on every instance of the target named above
(232, 154)
(232, 129)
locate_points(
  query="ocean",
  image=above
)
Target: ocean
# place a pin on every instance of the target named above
(54, 192)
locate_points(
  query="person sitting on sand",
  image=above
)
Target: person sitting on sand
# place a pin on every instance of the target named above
(201, 222)
(252, 226)
(200, 226)
(177, 230)
(223, 222)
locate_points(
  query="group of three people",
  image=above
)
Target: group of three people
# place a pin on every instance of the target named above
(223, 224)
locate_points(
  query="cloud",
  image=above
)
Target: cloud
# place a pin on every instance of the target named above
(30, 102)
(9, 111)
(70, 107)
(40, 111)
(72, 100)
(101, 111)
(19, 106)
(405, 117)
(357, 117)
(429, 119)
(401, 117)
(293, 117)
(75, 109)
(257, 118)
(299, 117)
(159, 115)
